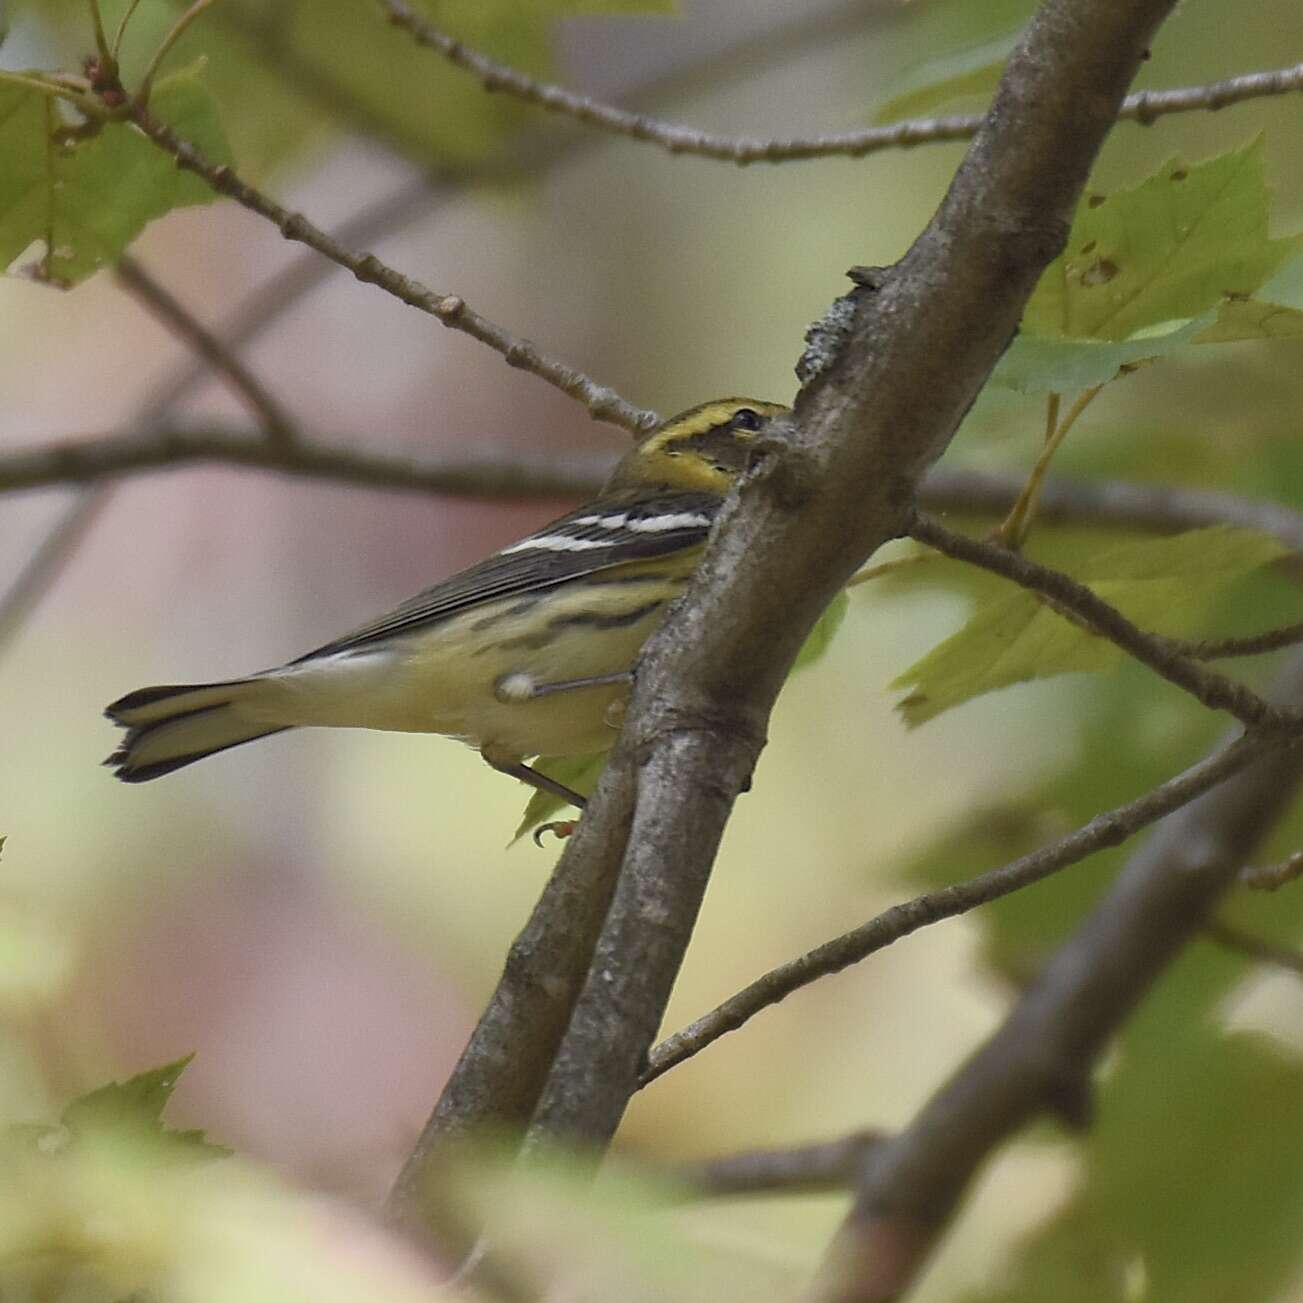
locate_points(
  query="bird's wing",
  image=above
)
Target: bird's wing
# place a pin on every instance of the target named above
(590, 539)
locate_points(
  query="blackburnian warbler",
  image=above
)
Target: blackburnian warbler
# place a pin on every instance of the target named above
(529, 653)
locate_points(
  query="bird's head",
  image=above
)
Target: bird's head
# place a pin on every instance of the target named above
(702, 450)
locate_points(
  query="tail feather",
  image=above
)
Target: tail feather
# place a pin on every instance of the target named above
(170, 727)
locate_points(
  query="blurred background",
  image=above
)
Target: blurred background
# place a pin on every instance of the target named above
(322, 915)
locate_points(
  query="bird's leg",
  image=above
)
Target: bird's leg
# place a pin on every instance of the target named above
(559, 828)
(520, 685)
(540, 781)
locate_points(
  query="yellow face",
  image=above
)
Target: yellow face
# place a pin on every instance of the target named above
(702, 450)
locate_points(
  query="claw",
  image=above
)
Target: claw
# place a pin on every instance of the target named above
(559, 828)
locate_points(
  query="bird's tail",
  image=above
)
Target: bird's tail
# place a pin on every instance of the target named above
(169, 727)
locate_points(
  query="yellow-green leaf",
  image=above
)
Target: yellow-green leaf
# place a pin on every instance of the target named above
(927, 86)
(1165, 585)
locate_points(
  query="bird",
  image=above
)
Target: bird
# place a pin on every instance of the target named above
(527, 653)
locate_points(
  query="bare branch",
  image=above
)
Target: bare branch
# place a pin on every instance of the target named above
(829, 1165)
(603, 403)
(531, 155)
(1110, 828)
(211, 351)
(47, 563)
(1160, 507)
(86, 461)
(1251, 644)
(1145, 107)
(273, 297)
(1271, 877)
(1075, 600)
(1064, 501)
(1245, 943)
(1042, 1057)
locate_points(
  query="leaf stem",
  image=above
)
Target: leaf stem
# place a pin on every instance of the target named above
(1013, 530)
(122, 28)
(165, 46)
(101, 40)
(890, 567)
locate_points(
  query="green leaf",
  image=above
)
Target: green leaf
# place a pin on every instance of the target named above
(1039, 364)
(579, 773)
(1240, 319)
(86, 199)
(824, 631)
(1162, 584)
(932, 83)
(966, 45)
(279, 73)
(1166, 251)
(136, 1106)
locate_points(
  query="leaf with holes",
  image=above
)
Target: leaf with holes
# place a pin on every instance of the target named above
(1168, 250)
(1147, 271)
(84, 198)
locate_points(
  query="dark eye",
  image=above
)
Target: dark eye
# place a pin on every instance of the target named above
(746, 419)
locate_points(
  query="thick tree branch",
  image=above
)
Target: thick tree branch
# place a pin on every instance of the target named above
(1111, 828)
(1145, 107)
(908, 364)
(1043, 1055)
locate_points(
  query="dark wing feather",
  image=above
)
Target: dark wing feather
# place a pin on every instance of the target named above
(518, 570)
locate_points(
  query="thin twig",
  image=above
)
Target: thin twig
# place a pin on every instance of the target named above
(174, 34)
(603, 403)
(828, 1165)
(271, 298)
(97, 25)
(1110, 828)
(123, 23)
(1144, 107)
(1013, 529)
(1160, 508)
(1214, 690)
(1271, 877)
(107, 457)
(531, 155)
(1101, 503)
(1253, 644)
(1253, 947)
(47, 563)
(204, 344)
